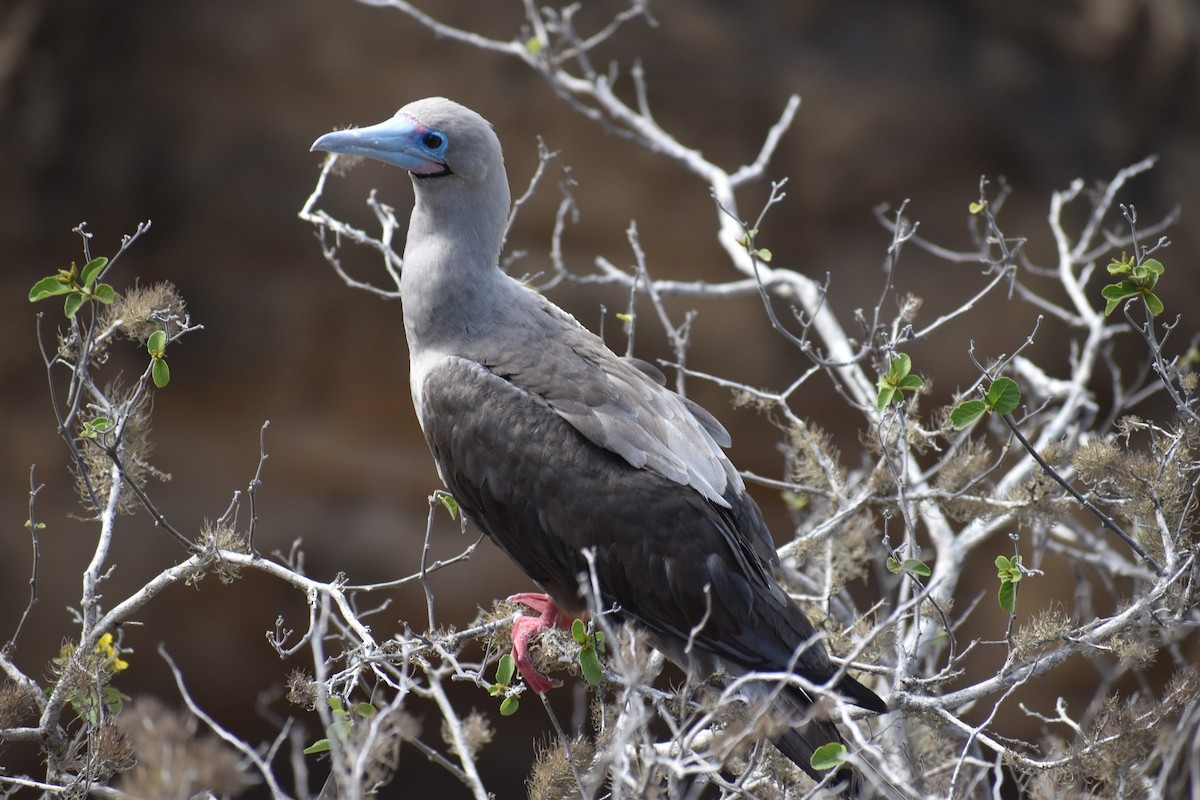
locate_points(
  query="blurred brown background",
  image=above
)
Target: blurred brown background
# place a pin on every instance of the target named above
(198, 115)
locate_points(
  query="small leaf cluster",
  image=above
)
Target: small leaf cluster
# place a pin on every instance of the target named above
(1009, 572)
(504, 676)
(1002, 397)
(93, 428)
(591, 646)
(1139, 281)
(79, 286)
(343, 721)
(898, 380)
(156, 346)
(747, 241)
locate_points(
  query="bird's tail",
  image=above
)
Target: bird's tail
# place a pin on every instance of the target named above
(800, 743)
(809, 732)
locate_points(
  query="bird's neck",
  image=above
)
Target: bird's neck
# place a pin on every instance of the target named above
(450, 283)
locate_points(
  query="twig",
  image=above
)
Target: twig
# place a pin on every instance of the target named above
(33, 525)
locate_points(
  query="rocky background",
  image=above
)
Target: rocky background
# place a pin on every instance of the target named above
(198, 115)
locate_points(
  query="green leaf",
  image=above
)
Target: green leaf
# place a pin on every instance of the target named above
(505, 669)
(335, 705)
(1119, 291)
(598, 636)
(72, 304)
(161, 373)
(623, 317)
(914, 565)
(579, 632)
(49, 287)
(365, 710)
(976, 207)
(1153, 266)
(104, 293)
(911, 383)
(450, 504)
(1008, 596)
(319, 746)
(1118, 267)
(1153, 304)
(764, 255)
(901, 366)
(1003, 395)
(589, 662)
(156, 345)
(533, 45)
(91, 271)
(886, 395)
(509, 706)
(828, 756)
(964, 414)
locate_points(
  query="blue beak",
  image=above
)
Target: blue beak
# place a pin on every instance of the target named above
(401, 141)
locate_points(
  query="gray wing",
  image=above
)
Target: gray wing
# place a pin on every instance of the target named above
(710, 423)
(621, 405)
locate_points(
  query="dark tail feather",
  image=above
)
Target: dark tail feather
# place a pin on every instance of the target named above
(799, 744)
(861, 696)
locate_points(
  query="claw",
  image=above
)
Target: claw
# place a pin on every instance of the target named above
(524, 627)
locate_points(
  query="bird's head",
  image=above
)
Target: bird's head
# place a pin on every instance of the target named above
(431, 138)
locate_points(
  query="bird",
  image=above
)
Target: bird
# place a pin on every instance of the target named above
(555, 446)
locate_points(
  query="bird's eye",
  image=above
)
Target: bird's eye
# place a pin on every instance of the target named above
(433, 140)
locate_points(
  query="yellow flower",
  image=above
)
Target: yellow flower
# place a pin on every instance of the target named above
(108, 652)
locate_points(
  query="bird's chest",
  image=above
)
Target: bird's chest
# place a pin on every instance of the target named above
(422, 365)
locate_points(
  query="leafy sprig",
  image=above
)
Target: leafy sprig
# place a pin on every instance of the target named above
(156, 346)
(1009, 572)
(591, 646)
(898, 380)
(504, 676)
(79, 286)
(1139, 281)
(1002, 397)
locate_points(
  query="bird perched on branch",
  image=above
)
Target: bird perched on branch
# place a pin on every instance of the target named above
(553, 445)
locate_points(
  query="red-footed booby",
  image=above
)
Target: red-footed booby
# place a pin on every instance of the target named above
(553, 444)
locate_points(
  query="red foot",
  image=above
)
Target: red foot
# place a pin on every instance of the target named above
(525, 627)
